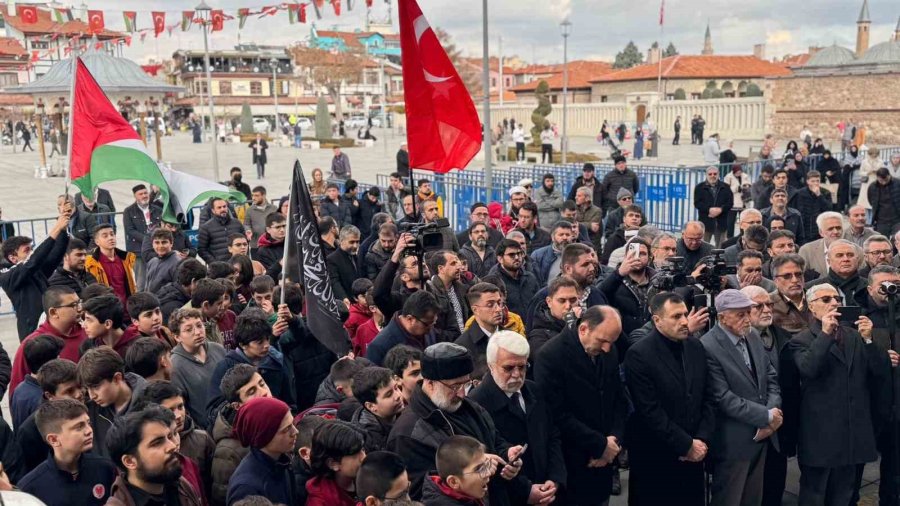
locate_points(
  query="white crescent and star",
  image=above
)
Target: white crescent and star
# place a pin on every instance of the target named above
(96, 19)
(420, 24)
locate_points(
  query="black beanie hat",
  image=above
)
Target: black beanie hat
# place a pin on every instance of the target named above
(444, 361)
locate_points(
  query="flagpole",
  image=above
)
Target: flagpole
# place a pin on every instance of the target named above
(74, 65)
(287, 237)
(659, 51)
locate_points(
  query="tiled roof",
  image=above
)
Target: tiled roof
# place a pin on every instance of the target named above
(11, 47)
(581, 74)
(699, 67)
(46, 25)
(494, 63)
(795, 60)
(508, 96)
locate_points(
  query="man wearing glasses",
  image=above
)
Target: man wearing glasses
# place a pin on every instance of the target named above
(440, 409)
(271, 244)
(522, 416)
(487, 307)
(748, 218)
(691, 246)
(790, 309)
(843, 373)
(521, 285)
(876, 251)
(713, 200)
(615, 217)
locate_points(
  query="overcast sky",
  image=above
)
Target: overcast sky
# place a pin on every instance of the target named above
(530, 28)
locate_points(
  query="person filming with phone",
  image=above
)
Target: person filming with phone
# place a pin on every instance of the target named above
(844, 376)
(626, 288)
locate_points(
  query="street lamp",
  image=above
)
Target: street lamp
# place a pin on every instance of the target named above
(204, 11)
(274, 63)
(155, 111)
(39, 110)
(486, 113)
(566, 29)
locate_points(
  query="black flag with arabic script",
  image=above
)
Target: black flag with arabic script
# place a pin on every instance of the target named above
(306, 265)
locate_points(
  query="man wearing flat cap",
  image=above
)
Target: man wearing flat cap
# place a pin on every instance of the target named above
(744, 386)
(439, 409)
(138, 218)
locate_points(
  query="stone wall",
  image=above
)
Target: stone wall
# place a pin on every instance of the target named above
(821, 102)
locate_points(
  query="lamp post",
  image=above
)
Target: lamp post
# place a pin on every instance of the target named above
(486, 113)
(154, 107)
(274, 63)
(204, 12)
(566, 28)
(39, 112)
(142, 114)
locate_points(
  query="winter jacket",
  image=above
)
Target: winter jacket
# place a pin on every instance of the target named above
(518, 290)
(350, 206)
(181, 243)
(270, 251)
(272, 369)
(810, 206)
(392, 335)
(478, 266)
(759, 192)
(308, 360)
(74, 280)
(395, 202)
(193, 377)
(25, 401)
(376, 430)
(376, 257)
(549, 205)
(258, 474)
(212, 241)
(538, 238)
(625, 297)
(365, 334)
(160, 271)
(436, 493)
(446, 327)
(367, 209)
(711, 151)
(588, 216)
(543, 259)
(227, 456)
(612, 182)
(95, 268)
(136, 229)
(128, 337)
(171, 297)
(707, 196)
(25, 283)
(336, 211)
(615, 218)
(71, 343)
(793, 221)
(198, 445)
(255, 219)
(343, 272)
(322, 491)
(876, 203)
(597, 188)
(121, 496)
(54, 486)
(103, 417)
(544, 326)
(82, 222)
(358, 316)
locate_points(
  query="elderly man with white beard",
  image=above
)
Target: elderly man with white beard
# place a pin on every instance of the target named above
(744, 386)
(439, 409)
(522, 416)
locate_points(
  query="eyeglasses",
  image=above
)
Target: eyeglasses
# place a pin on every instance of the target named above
(790, 275)
(517, 254)
(457, 387)
(508, 369)
(626, 198)
(484, 470)
(71, 305)
(494, 304)
(426, 324)
(828, 299)
(880, 253)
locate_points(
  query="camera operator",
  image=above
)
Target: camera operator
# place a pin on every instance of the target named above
(626, 288)
(402, 271)
(691, 246)
(749, 272)
(430, 215)
(843, 271)
(662, 248)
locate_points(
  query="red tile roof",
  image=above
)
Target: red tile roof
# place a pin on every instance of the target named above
(538, 69)
(508, 97)
(11, 47)
(795, 60)
(699, 67)
(581, 74)
(46, 25)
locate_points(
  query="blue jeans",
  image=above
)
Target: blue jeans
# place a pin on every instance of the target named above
(297, 140)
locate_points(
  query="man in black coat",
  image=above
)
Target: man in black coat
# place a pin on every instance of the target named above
(212, 242)
(884, 197)
(811, 202)
(535, 236)
(845, 385)
(673, 418)
(342, 264)
(522, 415)
(713, 200)
(24, 272)
(580, 367)
(478, 213)
(627, 287)
(270, 247)
(450, 294)
(487, 307)
(369, 206)
(521, 285)
(439, 409)
(403, 160)
(138, 218)
(72, 272)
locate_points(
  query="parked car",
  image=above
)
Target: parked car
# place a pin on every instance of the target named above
(261, 126)
(305, 123)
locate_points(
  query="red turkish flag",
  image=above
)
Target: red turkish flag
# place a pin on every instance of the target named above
(337, 7)
(95, 21)
(218, 20)
(159, 22)
(302, 13)
(28, 13)
(443, 129)
(369, 4)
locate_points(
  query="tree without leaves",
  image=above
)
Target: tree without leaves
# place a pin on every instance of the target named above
(330, 70)
(470, 75)
(628, 57)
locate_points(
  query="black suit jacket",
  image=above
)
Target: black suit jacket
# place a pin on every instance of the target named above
(588, 403)
(136, 226)
(671, 409)
(342, 271)
(544, 459)
(475, 340)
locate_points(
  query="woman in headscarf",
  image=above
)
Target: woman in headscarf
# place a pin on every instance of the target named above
(850, 184)
(818, 147)
(317, 187)
(830, 169)
(797, 175)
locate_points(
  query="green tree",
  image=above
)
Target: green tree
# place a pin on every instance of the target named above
(323, 119)
(753, 91)
(717, 93)
(670, 51)
(246, 119)
(680, 94)
(540, 113)
(628, 57)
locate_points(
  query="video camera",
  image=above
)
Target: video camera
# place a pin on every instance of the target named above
(889, 288)
(670, 276)
(715, 268)
(427, 236)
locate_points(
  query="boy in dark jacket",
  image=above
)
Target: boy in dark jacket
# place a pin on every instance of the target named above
(26, 399)
(463, 473)
(162, 267)
(271, 244)
(72, 272)
(380, 404)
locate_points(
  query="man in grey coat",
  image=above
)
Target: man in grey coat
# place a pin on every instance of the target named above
(549, 201)
(255, 216)
(744, 386)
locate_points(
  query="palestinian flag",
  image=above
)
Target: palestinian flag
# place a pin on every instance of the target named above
(242, 17)
(187, 19)
(130, 21)
(293, 9)
(104, 146)
(62, 15)
(187, 190)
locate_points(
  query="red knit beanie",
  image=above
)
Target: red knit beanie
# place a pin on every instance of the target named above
(258, 420)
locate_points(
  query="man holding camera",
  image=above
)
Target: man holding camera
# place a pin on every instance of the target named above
(430, 215)
(403, 267)
(626, 288)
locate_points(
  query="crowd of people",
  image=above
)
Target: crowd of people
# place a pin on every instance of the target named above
(528, 359)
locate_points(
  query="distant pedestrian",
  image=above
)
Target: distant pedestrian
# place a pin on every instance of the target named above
(340, 164)
(547, 144)
(677, 128)
(518, 136)
(259, 147)
(298, 135)
(638, 142)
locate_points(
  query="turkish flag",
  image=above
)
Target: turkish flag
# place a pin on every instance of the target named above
(302, 13)
(337, 7)
(369, 4)
(95, 21)
(218, 20)
(28, 13)
(443, 128)
(159, 22)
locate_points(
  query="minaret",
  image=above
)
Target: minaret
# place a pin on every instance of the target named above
(707, 42)
(897, 30)
(862, 29)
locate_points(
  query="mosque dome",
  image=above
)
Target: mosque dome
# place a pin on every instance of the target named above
(831, 56)
(886, 52)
